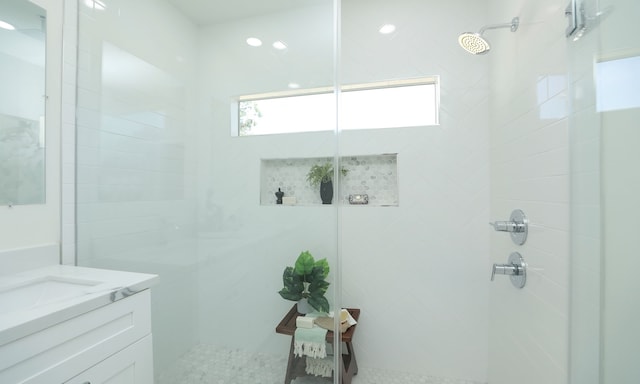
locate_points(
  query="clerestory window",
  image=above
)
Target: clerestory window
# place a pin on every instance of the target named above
(389, 104)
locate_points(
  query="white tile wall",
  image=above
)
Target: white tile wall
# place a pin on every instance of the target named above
(419, 271)
(528, 333)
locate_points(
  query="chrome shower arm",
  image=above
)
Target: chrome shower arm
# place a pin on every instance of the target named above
(515, 22)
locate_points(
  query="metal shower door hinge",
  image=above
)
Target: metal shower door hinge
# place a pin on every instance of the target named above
(575, 15)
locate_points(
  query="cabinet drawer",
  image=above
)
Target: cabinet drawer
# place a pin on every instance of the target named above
(132, 365)
(57, 353)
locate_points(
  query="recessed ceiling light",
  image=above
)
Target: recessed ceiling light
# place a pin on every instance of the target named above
(387, 29)
(5, 25)
(294, 85)
(254, 42)
(279, 45)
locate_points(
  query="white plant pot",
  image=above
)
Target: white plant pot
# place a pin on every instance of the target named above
(304, 307)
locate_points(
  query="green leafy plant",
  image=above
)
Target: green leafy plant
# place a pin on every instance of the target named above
(306, 280)
(322, 173)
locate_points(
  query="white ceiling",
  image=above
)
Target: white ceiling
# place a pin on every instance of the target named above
(206, 12)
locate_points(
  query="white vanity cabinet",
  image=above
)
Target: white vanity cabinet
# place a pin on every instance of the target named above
(106, 339)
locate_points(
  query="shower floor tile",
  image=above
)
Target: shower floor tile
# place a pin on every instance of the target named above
(205, 364)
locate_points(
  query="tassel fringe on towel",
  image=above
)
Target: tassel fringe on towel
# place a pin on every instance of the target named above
(320, 367)
(310, 349)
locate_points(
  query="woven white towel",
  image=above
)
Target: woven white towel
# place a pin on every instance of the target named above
(310, 342)
(320, 367)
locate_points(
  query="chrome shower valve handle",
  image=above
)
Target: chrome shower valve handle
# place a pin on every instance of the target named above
(518, 226)
(515, 268)
(508, 226)
(504, 269)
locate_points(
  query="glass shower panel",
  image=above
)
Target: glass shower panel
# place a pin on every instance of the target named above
(618, 102)
(585, 141)
(245, 239)
(165, 187)
(605, 194)
(136, 168)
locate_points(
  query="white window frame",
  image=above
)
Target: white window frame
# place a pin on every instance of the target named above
(431, 80)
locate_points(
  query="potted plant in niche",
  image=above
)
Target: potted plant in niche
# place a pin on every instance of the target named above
(322, 175)
(305, 283)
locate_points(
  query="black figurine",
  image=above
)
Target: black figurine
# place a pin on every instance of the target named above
(279, 195)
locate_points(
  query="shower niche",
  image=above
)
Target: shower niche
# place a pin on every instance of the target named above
(372, 176)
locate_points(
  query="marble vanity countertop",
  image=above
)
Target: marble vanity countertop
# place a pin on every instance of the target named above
(39, 298)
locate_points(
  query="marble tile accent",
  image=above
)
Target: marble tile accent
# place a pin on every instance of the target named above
(376, 176)
(290, 175)
(207, 364)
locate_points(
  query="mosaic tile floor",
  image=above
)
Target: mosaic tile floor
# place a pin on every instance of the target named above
(209, 365)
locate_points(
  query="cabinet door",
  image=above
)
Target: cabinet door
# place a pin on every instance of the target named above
(132, 365)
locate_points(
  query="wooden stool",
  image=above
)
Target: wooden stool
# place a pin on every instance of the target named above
(296, 365)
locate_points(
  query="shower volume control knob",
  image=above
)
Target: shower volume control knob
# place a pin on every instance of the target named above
(515, 268)
(517, 226)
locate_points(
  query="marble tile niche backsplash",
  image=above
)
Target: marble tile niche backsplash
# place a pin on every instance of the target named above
(373, 175)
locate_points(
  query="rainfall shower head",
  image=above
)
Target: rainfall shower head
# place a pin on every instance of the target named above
(474, 43)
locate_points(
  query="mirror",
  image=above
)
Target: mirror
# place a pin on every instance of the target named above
(22, 102)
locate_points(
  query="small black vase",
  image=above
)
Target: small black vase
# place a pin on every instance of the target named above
(326, 191)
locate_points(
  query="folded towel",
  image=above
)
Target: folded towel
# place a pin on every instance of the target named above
(310, 342)
(320, 367)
